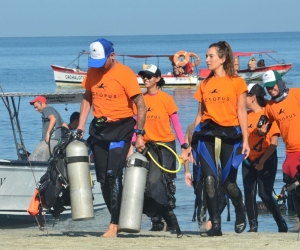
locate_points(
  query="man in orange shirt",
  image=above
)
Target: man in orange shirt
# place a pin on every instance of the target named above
(283, 108)
(111, 88)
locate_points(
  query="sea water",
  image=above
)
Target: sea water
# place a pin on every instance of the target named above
(25, 67)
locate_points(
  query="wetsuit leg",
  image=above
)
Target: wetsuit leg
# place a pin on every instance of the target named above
(111, 186)
(296, 201)
(234, 192)
(100, 152)
(200, 201)
(250, 191)
(210, 175)
(266, 179)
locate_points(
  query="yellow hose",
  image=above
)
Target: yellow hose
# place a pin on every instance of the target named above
(180, 161)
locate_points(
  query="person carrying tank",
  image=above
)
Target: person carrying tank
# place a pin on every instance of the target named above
(111, 88)
(161, 113)
(260, 167)
(221, 123)
(284, 110)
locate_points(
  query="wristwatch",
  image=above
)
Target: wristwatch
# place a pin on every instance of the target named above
(185, 146)
(139, 132)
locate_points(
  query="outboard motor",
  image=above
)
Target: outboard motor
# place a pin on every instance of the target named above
(78, 169)
(133, 193)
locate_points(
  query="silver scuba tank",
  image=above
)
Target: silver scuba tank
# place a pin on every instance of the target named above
(133, 193)
(79, 180)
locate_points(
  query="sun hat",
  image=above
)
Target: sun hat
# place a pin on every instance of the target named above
(100, 50)
(39, 99)
(270, 78)
(256, 89)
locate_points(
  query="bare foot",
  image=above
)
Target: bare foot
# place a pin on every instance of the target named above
(208, 225)
(112, 231)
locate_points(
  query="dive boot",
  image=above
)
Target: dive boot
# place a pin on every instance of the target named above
(214, 231)
(282, 226)
(240, 221)
(157, 224)
(253, 226)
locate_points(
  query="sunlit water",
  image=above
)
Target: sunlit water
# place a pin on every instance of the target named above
(25, 66)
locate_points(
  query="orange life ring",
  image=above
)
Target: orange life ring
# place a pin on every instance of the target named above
(197, 58)
(179, 54)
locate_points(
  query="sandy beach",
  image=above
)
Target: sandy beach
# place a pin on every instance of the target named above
(64, 239)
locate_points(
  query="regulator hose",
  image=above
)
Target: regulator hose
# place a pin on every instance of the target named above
(180, 161)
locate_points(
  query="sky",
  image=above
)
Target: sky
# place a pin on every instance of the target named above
(43, 18)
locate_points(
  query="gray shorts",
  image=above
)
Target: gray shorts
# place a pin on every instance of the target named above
(41, 152)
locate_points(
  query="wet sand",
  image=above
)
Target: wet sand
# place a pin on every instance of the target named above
(64, 239)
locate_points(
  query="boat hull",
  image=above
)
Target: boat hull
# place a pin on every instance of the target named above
(254, 75)
(17, 184)
(73, 77)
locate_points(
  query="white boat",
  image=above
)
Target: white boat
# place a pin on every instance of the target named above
(68, 76)
(18, 177)
(256, 74)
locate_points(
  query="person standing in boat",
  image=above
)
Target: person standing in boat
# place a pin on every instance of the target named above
(111, 87)
(51, 120)
(221, 126)
(284, 109)
(261, 166)
(161, 114)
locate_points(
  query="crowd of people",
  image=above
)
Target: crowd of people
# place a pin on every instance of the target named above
(235, 125)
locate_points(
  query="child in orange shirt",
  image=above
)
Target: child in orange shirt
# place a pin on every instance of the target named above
(261, 166)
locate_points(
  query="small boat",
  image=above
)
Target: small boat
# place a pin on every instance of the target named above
(255, 74)
(68, 76)
(18, 176)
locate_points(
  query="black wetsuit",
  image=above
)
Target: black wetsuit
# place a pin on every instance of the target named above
(264, 179)
(110, 145)
(203, 144)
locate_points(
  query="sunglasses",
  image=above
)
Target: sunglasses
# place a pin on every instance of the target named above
(146, 76)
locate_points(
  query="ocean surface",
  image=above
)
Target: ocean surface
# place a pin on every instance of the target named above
(25, 67)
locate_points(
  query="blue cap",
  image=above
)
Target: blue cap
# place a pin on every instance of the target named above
(100, 50)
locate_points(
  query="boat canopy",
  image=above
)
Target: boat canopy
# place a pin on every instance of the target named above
(252, 53)
(56, 97)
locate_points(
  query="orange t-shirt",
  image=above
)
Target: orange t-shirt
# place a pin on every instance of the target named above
(254, 138)
(287, 116)
(158, 124)
(111, 92)
(219, 95)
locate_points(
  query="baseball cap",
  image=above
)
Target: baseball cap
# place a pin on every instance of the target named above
(100, 50)
(39, 99)
(256, 89)
(270, 78)
(151, 70)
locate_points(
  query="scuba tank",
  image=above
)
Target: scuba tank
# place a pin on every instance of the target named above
(133, 193)
(79, 181)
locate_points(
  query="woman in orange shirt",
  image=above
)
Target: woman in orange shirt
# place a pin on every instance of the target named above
(221, 118)
(161, 112)
(261, 166)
